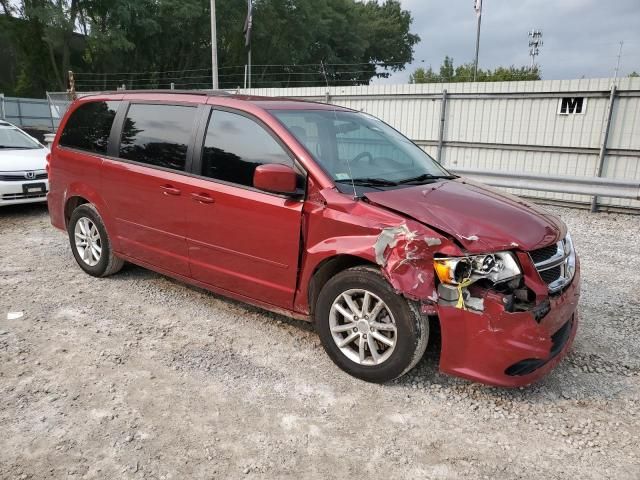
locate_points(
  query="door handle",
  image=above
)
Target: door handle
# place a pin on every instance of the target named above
(169, 190)
(202, 198)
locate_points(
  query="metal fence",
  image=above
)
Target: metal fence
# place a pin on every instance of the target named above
(27, 113)
(551, 128)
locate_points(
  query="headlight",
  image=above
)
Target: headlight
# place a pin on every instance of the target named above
(570, 251)
(497, 267)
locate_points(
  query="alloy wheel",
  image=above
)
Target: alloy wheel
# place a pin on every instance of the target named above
(363, 327)
(88, 241)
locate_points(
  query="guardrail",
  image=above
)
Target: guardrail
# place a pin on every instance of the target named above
(594, 186)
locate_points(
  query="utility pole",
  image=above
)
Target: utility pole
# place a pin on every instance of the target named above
(477, 6)
(214, 48)
(534, 46)
(615, 77)
(248, 25)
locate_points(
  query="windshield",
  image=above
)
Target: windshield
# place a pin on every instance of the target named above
(359, 148)
(11, 137)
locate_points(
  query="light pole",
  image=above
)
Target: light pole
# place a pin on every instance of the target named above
(615, 76)
(214, 48)
(477, 5)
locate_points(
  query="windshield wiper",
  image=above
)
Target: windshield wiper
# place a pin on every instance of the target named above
(422, 178)
(369, 182)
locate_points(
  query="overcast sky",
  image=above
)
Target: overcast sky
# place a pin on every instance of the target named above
(581, 37)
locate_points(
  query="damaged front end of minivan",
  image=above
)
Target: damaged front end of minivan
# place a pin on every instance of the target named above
(498, 322)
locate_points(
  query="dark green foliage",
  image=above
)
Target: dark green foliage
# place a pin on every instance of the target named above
(170, 40)
(464, 73)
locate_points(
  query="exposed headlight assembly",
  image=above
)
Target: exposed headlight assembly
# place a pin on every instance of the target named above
(496, 267)
(570, 251)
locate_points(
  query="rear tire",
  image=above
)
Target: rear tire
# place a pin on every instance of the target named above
(375, 346)
(90, 242)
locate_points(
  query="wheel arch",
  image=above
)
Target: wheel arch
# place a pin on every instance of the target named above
(80, 193)
(70, 205)
(326, 269)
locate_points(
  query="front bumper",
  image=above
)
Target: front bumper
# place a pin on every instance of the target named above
(507, 349)
(27, 191)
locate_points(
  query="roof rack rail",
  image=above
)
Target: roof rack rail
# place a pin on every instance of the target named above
(209, 93)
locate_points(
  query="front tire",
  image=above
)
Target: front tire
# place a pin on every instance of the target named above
(367, 329)
(90, 242)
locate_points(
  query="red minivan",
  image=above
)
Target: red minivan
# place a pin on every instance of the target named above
(324, 214)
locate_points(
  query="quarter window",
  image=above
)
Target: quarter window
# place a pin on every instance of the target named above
(157, 134)
(89, 126)
(235, 145)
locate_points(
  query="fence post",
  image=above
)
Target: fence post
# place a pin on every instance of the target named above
(53, 122)
(443, 111)
(19, 113)
(327, 97)
(603, 146)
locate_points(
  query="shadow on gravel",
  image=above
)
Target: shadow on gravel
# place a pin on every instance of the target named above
(26, 210)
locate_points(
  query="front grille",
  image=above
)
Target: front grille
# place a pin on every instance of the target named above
(551, 275)
(544, 253)
(22, 196)
(555, 264)
(21, 176)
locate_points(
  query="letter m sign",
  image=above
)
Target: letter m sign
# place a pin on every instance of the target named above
(572, 106)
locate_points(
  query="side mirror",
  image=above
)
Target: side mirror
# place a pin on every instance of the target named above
(276, 178)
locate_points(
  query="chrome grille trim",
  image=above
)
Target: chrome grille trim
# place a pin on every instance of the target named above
(559, 261)
(23, 176)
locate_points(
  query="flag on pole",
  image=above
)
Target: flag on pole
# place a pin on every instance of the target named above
(477, 6)
(248, 23)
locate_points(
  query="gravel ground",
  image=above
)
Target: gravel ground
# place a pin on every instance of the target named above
(139, 376)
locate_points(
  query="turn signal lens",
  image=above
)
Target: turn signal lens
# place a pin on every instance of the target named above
(453, 270)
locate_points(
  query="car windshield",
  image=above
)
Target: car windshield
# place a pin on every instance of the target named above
(11, 137)
(358, 148)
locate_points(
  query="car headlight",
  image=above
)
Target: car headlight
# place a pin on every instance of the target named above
(570, 251)
(496, 267)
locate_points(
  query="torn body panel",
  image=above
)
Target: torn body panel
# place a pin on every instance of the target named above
(405, 254)
(336, 225)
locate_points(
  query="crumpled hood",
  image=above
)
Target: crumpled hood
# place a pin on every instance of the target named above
(480, 218)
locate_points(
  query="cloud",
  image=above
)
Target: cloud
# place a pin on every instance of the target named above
(581, 37)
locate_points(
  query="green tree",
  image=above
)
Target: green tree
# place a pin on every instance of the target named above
(464, 73)
(44, 33)
(170, 40)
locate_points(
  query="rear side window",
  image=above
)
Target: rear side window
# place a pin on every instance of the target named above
(235, 145)
(89, 126)
(157, 134)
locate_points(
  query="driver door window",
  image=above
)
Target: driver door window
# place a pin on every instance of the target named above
(235, 145)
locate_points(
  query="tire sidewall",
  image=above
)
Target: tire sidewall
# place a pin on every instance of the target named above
(408, 327)
(87, 210)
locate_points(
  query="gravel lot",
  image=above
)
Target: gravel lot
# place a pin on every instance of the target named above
(139, 376)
